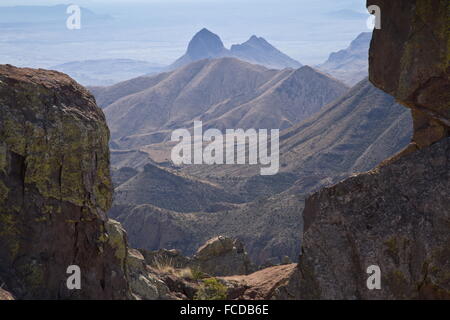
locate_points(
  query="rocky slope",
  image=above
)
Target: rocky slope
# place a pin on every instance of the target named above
(352, 134)
(271, 231)
(397, 216)
(55, 189)
(257, 50)
(173, 191)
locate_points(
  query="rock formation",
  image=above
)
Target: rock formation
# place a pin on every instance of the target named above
(219, 256)
(55, 189)
(409, 59)
(396, 216)
(222, 256)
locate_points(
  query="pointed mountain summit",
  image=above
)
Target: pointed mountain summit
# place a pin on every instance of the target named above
(208, 45)
(204, 45)
(258, 50)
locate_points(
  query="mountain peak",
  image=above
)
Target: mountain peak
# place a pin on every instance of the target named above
(205, 44)
(205, 31)
(255, 40)
(256, 50)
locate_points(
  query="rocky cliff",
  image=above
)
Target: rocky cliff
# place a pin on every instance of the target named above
(396, 217)
(409, 59)
(55, 189)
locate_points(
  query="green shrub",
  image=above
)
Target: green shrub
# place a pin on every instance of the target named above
(211, 289)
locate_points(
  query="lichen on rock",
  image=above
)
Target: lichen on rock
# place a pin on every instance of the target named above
(55, 189)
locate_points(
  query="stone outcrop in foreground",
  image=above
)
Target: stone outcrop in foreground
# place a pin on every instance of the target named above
(55, 189)
(396, 217)
(218, 257)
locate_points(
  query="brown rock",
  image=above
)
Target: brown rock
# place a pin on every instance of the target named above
(396, 217)
(266, 284)
(409, 58)
(222, 256)
(55, 189)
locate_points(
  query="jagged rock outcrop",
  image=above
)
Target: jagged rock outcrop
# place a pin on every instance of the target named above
(223, 256)
(144, 284)
(410, 59)
(55, 189)
(397, 216)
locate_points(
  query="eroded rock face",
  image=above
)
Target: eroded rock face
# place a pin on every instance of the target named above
(55, 189)
(396, 217)
(410, 59)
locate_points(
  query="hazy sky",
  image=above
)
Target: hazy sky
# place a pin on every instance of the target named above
(159, 30)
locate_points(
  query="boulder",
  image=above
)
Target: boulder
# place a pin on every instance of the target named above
(222, 256)
(144, 284)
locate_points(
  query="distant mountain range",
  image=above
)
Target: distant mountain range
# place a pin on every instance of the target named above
(223, 93)
(207, 45)
(329, 132)
(352, 134)
(106, 72)
(350, 65)
(204, 45)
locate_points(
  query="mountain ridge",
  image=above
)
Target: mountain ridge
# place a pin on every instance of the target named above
(351, 64)
(208, 45)
(223, 93)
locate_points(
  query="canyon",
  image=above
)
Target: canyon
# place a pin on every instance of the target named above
(372, 179)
